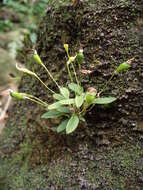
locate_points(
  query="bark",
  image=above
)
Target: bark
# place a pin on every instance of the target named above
(107, 153)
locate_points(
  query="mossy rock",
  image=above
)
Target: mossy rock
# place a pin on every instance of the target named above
(107, 153)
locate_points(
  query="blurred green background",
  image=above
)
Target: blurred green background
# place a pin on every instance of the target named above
(15, 14)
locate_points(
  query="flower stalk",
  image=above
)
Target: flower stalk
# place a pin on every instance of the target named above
(24, 70)
(23, 96)
(69, 72)
(44, 84)
(38, 60)
(35, 101)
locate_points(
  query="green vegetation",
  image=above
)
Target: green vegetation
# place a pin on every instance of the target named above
(72, 102)
(26, 15)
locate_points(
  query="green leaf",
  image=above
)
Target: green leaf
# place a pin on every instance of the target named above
(58, 104)
(65, 92)
(72, 124)
(54, 105)
(67, 101)
(123, 67)
(63, 110)
(75, 88)
(51, 114)
(58, 97)
(106, 100)
(79, 100)
(62, 126)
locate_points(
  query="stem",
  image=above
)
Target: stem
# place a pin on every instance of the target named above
(50, 75)
(107, 83)
(91, 107)
(79, 67)
(75, 73)
(68, 55)
(69, 73)
(83, 111)
(35, 101)
(44, 84)
(44, 103)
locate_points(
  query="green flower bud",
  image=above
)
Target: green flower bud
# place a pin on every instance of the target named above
(89, 98)
(36, 58)
(80, 56)
(66, 46)
(17, 95)
(123, 67)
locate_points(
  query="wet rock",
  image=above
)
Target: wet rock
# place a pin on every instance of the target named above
(99, 157)
(71, 161)
(124, 121)
(102, 141)
(139, 127)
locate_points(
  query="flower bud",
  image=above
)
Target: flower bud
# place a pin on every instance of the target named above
(80, 56)
(123, 67)
(36, 58)
(66, 46)
(92, 91)
(17, 95)
(89, 98)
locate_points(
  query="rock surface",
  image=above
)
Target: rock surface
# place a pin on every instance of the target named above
(105, 155)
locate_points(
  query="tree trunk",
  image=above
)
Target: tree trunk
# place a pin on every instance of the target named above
(107, 153)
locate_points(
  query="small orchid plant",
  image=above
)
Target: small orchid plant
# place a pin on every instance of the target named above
(72, 101)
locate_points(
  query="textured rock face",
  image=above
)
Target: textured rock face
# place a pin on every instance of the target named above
(107, 154)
